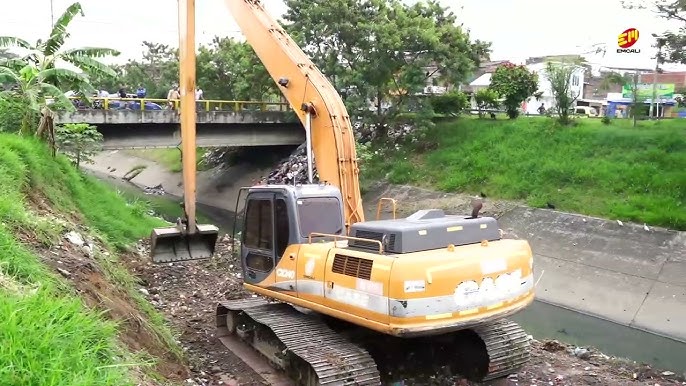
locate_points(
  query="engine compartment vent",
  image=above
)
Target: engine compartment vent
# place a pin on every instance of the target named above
(352, 266)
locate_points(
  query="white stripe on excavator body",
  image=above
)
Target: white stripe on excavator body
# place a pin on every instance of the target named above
(422, 307)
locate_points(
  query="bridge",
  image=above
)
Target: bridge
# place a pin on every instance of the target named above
(132, 123)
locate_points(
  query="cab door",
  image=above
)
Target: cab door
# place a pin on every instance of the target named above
(258, 240)
(286, 252)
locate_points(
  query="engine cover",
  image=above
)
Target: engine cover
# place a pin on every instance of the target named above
(424, 230)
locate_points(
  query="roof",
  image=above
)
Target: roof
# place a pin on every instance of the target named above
(483, 80)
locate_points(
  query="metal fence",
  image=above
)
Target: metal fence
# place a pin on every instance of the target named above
(150, 104)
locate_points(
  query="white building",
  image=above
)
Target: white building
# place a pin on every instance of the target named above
(576, 87)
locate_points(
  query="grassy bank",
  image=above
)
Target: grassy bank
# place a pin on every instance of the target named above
(614, 171)
(49, 336)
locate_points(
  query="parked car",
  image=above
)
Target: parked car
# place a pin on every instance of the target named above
(586, 111)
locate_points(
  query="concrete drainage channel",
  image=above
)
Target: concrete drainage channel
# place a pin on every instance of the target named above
(631, 278)
(617, 288)
(547, 321)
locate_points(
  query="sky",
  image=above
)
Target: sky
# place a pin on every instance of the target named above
(517, 28)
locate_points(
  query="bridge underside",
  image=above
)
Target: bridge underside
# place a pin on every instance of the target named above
(156, 135)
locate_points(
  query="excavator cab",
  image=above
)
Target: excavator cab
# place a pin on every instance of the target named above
(276, 216)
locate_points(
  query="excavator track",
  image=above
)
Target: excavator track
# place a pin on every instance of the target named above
(507, 345)
(309, 352)
(482, 353)
(305, 348)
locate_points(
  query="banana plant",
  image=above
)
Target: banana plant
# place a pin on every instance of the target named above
(30, 85)
(38, 76)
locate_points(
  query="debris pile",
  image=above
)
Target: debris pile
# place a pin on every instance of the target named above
(187, 294)
(156, 190)
(219, 156)
(292, 170)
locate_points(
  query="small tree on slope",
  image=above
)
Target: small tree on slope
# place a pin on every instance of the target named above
(514, 83)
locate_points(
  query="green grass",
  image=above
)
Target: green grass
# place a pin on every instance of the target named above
(164, 206)
(168, 158)
(47, 336)
(53, 340)
(613, 171)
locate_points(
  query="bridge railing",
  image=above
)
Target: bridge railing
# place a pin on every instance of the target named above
(152, 104)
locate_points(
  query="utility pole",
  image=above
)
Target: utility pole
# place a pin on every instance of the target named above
(634, 107)
(52, 14)
(654, 106)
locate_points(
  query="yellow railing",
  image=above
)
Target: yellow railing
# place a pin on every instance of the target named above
(201, 105)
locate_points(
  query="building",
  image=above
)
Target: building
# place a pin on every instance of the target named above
(547, 99)
(482, 76)
(678, 79)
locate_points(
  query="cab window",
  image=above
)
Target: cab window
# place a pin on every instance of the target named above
(320, 215)
(258, 232)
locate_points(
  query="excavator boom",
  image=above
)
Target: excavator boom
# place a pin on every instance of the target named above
(308, 90)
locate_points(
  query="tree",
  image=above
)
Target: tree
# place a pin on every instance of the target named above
(36, 79)
(560, 77)
(225, 69)
(229, 69)
(31, 88)
(514, 83)
(626, 79)
(379, 54)
(486, 99)
(48, 54)
(674, 10)
(78, 141)
(157, 71)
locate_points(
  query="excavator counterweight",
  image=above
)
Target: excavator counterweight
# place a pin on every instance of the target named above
(187, 240)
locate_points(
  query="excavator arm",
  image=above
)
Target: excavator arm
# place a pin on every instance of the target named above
(312, 96)
(187, 240)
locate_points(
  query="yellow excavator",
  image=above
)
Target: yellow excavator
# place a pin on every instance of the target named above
(338, 291)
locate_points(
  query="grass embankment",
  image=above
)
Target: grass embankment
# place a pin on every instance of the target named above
(613, 171)
(169, 158)
(48, 336)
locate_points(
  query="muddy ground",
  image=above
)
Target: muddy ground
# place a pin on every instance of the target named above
(188, 292)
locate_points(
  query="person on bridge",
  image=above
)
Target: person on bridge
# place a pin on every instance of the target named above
(141, 92)
(172, 96)
(198, 98)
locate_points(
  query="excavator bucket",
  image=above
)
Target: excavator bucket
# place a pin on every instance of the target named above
(171, 244)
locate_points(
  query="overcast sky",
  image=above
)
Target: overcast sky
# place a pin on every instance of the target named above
(517, 28)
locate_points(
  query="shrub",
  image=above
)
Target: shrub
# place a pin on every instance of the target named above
(452, 103)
